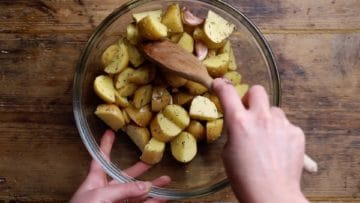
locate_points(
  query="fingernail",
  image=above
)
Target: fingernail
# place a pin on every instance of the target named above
(227, 81)
(143, 186)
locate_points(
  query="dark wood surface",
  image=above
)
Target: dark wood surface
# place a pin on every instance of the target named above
(42, 159)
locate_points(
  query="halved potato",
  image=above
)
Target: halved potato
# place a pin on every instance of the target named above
(152, 29)
(234, 77)
(121, 79)
(195, 88)
(111, 115)
(182, 98)
(218, 65)
(153, 151)
(186, 42)
(242, 89)
(156, 14)
(216, 28)
(119, 61)
(215, 100)
(140, 136)
(141, 117)
(135, 57)
(120, 100)
(174, 80)
(172, 19)
(228, 49)
(128, 90)
(177, 114)
(184, 147)
(143, 75)
(160, 98)
(199, 34)
(213, 130)
(142, 96)
(109, 54)
(163, 128)
(104, 88)
(196, 129)
(132, 34)
(202, 108)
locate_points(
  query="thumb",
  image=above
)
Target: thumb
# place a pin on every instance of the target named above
(114, 193)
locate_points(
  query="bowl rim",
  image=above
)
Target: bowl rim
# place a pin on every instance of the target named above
(82, 126)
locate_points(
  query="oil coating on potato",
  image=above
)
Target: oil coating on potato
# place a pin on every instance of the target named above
(153, 151)
(156, 14)
(104, 88)
(228, 49)
(197, 130)
(195, 88)
(160, 98)
(152, 29)
(217, 65)
(132, 34)
(142, 96)
(184, 147)
(141, 117)
(143, 75)
(109, 54)
(186, 42)
(213, 130)
(121, 79)
(182, 98)
(163, 128)
(139, 135)
(177, 114)
(111, 115)
(119, 61)
(172, 19)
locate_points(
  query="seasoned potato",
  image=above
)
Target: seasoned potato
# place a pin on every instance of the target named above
(152, 29)
(202, 108)
(163, 128)
(142, 96)
(216, 28)
(215, 100)
(186, 42)
(234, 77)
(217, 65)
(135, 57)
(132, 34)
(156, 14)
(182, 98)
(213, 130)
(197, 130)
(109, 54)
(153, 151)
(128, 90)
(195, 88)
(175, 37)
(121, 79)
(242, 89)
(141, 117)
(211, 53)
(104, 88)
(160, 98)
(174, 80)
(199, 34)
(184, 147)
(177, 114)
(126, 117)
(111, 115)
(172, 19)
(121, 100)
(140, 136)
(119, 61)
(227, 49)
(144, 75)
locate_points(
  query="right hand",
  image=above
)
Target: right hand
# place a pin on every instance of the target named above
(264, 153)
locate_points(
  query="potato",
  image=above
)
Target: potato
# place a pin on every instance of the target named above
(153, 151)
(152, 29)
(109, 54)
(227, 49)
(172, 19)
(111, 115)
(140, 136)
(126, 117)
(132, 34)
(215, 100)
(160, 98)
(144, 75)
(104, 88)
(234, 77)
(121, 100)
(202, 108)
(186, 42)
(195, 88)
(135, 57)
(242, 89)
(177, 114)
(141, 117)
(217, 65)
(142, 96)
(156, 14)
(216, 28)
(213, 130)
(182, 98)
(211, 53)
(121, 79)
(175, 37)
(163, 128)
(197, 130)
(119, 61)
(128, 90)
(199, 34)
(184, 147)
(174, 80)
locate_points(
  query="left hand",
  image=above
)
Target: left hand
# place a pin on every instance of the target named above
(97, 189)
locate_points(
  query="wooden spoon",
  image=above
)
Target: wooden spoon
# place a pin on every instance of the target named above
(175, 59)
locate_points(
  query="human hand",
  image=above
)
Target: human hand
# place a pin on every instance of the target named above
(97, 189)
(264, 153)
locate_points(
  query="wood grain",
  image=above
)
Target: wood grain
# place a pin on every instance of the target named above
(317, 47)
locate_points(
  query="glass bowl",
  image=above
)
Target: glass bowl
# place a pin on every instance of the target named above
(205, 174)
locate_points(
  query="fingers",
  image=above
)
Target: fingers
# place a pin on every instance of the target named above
(114, 193)
(161, 181)
(257, 99)
(137, 169)
(153, 200)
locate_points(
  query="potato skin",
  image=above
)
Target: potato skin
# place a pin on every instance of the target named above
(121, 79)
(199, 34)
(109, 54)
(139, 135)
(104, 88)
(174, 80)
(160, 98)
(142, 96)
(217, 65)
(182, 98)
(202, 108)
(120, 60)
(111, 115)
(152, 29)
(177, 114)
(228, 49)
(163, 129)
(143, 75)
(184, 147)
(234, 77)
(216, 28)
(186, 42)
(197, 130)
(172, 19)
(213, 130)
(195, 88)
(141, 117)
(153, 151)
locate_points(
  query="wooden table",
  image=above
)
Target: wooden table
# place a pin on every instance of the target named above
(317, 47)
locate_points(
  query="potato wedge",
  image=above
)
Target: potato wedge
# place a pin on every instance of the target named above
(142, 96)
(153, 151)
(202, 108)
(120, 100)
(172, 19)
(160, 98)
(184, 147)
(174, 80)
(126, 117)
(213, 130)
(215, 100)
(182, 98)
(211, 53)
(140, 136)
(218, 65)
(119, 61)
(104, 88)
(163, 129)
(121, 79)
(175, 37)
(143, 75)
(128, 90)
(186, 42)
(156, 14)
(195, 88)
(109, 54)
(135, 57)
(199, 34)
(141, 117)
(228, 49)
(177, 114)
(152, 29)
(234, 77)
(242, 89)
(197, 130)
(216, 28)
(111, 115)
(132, 34)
